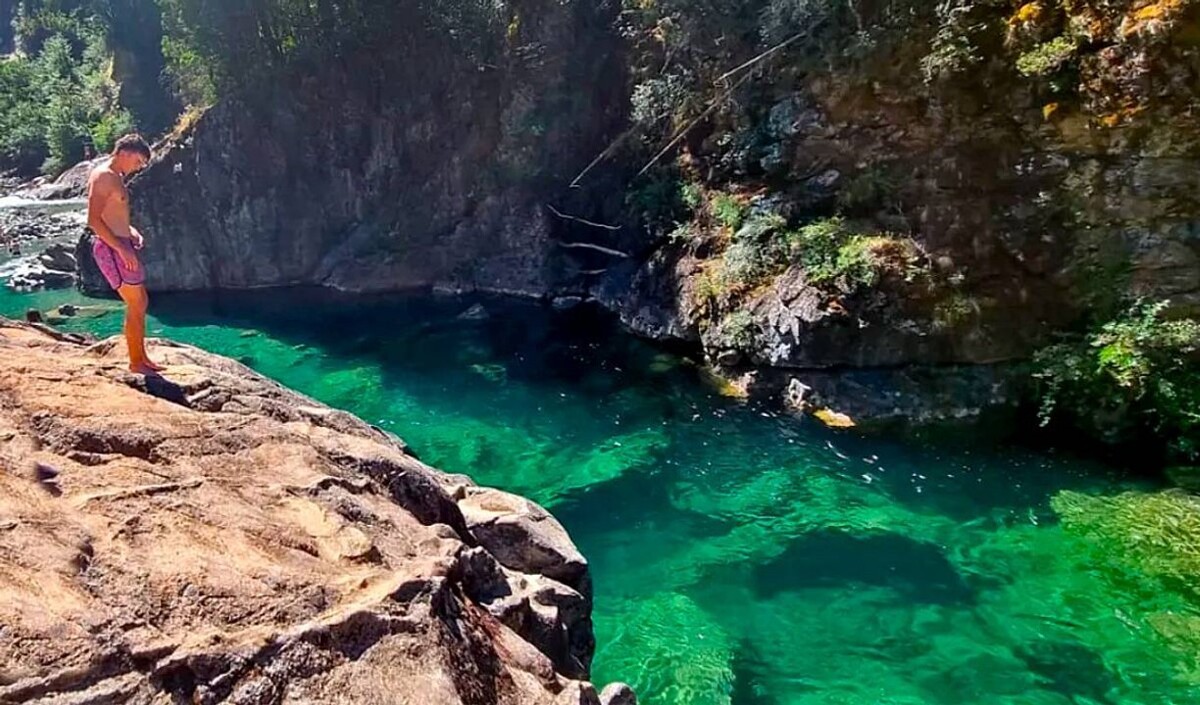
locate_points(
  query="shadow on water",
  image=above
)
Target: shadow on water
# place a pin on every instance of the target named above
(426, 346)
(583, 349)
(1073, 670)
(750, 673)
(641, 499)
(919, 572)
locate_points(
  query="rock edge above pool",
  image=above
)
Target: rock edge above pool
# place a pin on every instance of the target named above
(211, 536)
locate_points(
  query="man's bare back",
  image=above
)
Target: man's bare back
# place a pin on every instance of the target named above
(117, 241)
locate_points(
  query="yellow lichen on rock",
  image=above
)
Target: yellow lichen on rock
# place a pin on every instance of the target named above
(728, 388)
(1157, 10)
(1028, 13)
(1153, 17)
(834, 419)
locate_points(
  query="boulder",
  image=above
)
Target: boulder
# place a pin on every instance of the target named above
(34, 276)
(413, 167)
(58, 258)
(91, 281)
(72, 183)
(618, 694)
(523, 536)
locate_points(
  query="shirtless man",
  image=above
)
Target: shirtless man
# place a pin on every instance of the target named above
(117, 242)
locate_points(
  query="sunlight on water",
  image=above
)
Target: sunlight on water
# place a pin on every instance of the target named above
(739, 557)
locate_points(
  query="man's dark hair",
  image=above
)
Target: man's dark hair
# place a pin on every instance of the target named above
(132, 143)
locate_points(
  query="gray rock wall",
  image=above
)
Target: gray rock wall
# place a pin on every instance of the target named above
(387, 173)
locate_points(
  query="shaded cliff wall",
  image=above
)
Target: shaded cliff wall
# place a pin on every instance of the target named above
(410, 168)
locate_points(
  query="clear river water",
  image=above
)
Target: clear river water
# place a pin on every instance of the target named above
(739, 556)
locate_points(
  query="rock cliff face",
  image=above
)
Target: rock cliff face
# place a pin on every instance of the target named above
(389, 172)
(1000, 205)
(1012, 204)
(212, 537)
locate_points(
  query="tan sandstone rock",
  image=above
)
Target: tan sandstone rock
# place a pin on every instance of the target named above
(213, 537)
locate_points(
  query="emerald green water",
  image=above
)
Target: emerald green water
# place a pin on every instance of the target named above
(739, 556)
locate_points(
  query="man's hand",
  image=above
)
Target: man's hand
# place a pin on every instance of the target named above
(129, 259)
(136, 237)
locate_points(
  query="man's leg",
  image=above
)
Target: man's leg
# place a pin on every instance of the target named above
(136, 303)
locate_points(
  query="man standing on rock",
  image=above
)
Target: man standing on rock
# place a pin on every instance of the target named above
(117, 242)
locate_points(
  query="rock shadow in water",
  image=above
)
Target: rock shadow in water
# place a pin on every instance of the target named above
(1073, 670)
(640, 497)
(749, 673)
(918, 571)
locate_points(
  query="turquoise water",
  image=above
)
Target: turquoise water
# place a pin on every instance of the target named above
(739, 556)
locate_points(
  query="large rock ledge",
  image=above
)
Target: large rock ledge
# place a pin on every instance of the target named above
(213, 537)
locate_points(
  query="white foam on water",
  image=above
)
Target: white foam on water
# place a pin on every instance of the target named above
(30, 204)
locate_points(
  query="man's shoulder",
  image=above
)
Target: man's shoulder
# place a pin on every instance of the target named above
(104, 177)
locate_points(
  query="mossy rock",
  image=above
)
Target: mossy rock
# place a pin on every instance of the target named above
(1155, 535)
(1186, 477)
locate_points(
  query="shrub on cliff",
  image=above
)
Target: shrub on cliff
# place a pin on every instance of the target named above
(835, 254)
(1136, 373)
(242, 44)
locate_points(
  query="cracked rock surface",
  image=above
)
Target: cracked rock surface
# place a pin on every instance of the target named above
(212, 537)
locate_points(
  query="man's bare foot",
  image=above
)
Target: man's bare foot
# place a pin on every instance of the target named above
(153, 365)
(144, 368)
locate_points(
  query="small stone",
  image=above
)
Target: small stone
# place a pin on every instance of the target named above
(834, 419)
(729, 358)
(475, 313)
(33, 316)
(45, 473)
(798, 395)
(566, 303)
(68, 310)
(618, 694)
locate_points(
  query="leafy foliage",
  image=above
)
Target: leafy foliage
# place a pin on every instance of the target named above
(740, 330)
(747, 262)
(1048, 57)
(756, 252)
(54, 104)
(872, 188)
(245, 44)
(728, 211)
(832, 253)
(952, 49)
(59, 94)
(1138, 372)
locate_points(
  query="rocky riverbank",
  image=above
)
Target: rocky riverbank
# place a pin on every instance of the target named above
(40, 226)
(210, 536)
(38, 244)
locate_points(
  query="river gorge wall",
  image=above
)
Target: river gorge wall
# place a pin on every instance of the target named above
(993, 209)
